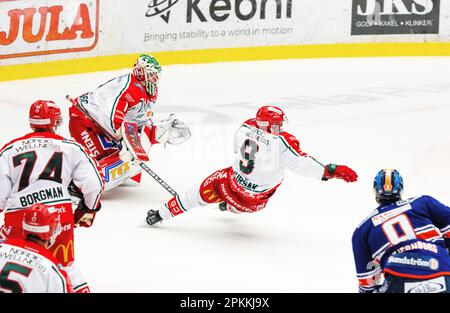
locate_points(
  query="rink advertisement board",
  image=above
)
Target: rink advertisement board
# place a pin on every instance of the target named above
(75, 36)
(197, 24)
(383, 17)
(42, 27)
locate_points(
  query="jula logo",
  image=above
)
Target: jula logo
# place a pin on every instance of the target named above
(221, 10)
(395, 7)
(37, 27)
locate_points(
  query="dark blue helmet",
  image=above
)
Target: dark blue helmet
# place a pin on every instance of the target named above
(388, 186)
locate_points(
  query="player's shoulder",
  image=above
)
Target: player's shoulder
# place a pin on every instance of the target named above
(32, 247)
(428, 201)
(291, 142)
(135, 91)
(250, 123)
(75, 146)
(290, 139)
(32, 135)
(367, 220)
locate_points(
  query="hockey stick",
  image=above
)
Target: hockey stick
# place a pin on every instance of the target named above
(158, 179)
(144, 166)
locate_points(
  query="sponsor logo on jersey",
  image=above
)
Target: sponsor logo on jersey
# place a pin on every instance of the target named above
(428, 286)
(220, 11)
(259, 136)
(42, 27)
(432, 263)
(379, 17)
(65, 250)
(37, 143)
(55, 193)
(89, 144)
(383, 217)
(216, 176)
(19, 255)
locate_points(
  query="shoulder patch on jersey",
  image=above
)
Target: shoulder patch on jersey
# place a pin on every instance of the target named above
(383, 217)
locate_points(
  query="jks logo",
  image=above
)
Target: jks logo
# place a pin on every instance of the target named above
(395, 17)
(221, 10)
(36, 27)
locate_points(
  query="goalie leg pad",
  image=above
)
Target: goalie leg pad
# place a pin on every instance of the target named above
(115, 171)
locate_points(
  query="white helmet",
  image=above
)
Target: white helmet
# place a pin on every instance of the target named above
(147, 70)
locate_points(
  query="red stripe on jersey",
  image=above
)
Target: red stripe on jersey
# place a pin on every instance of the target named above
(367, 282)
(428, 234)
(389, 271)
(447, 234)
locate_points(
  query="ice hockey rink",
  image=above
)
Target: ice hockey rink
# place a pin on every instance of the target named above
(368, 113)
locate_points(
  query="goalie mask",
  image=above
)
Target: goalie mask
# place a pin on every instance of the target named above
(271, 119)
(147, 70)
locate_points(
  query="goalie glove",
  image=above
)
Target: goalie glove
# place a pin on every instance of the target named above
(340, 172)
(172, 131)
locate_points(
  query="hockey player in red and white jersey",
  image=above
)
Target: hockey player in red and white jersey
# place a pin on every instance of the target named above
(27, 265)
(263, 153)
(38, 168)
(96, 120)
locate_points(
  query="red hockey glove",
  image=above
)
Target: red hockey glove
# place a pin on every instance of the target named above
(340, 172)
(83, 216)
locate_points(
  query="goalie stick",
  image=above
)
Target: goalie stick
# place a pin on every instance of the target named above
(141, 163)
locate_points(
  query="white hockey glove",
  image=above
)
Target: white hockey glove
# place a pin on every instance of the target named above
(172, 131)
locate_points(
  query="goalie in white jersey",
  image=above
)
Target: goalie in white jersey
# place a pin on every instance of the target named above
(263, 153)
(97, 117)
(27, 265)
(38, 168)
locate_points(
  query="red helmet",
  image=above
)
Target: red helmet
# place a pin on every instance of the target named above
(45, 116)
(42, 221)
(270, 119)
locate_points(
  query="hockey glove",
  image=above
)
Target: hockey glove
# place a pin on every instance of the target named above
(172, 131)
(83, 216)
(339, 172)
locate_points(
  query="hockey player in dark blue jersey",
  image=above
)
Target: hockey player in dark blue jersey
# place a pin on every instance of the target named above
(402, 246)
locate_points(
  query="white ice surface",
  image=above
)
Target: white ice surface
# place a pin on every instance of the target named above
(366, 113)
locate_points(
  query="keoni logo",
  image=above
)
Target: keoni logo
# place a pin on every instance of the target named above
(221, 10)
(161, 8)
(377, 17)
(38, 27)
